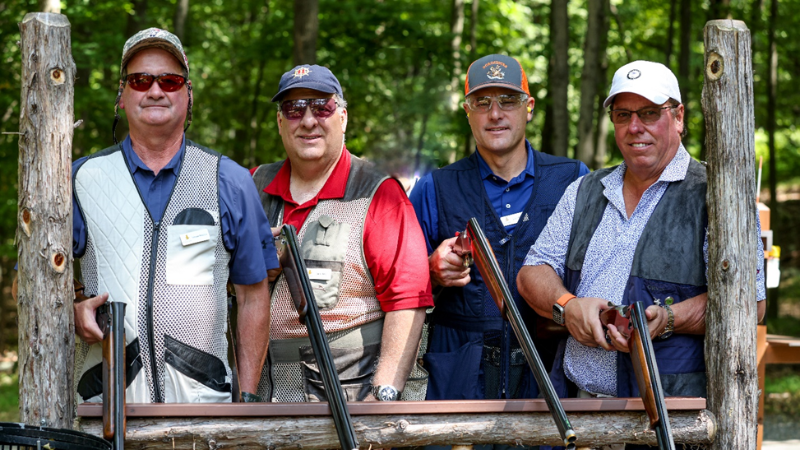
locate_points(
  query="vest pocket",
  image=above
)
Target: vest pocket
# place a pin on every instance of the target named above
(193, 376)
(354, 366)
(324, 249)
(190, 254)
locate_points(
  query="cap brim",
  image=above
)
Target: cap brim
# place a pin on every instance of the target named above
(306, 85)
(658, 99)
(502, 85)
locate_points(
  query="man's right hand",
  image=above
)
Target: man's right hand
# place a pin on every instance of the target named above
(447, 268)
(272, 274)
(582, 317)
(86, 326)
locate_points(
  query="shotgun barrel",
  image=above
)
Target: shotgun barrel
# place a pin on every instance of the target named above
(473, 245)
(111, 318)
(294, 269)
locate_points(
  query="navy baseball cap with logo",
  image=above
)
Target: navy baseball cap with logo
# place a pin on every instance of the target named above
(496, 71)
(311, 77)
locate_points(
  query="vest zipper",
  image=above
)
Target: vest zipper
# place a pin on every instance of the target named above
(150, 333)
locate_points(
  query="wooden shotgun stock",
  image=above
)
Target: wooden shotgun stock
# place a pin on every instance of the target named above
(111, 319)
(632, 323)
(473, 245)
(294, 269)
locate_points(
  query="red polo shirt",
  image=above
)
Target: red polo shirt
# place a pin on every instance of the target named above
(393, 243)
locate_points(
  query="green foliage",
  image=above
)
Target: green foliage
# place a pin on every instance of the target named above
(9, 397)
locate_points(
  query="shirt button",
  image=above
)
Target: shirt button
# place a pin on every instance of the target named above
(508, 205)
(508, 189)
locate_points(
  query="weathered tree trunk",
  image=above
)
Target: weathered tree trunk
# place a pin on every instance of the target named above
(44, 233)
(50, 6)
(379, 431)
(559, 81)
(306, 29)
(730, 343)
(181, 13)
(591, 58)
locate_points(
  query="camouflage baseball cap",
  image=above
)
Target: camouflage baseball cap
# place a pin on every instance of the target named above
(154, 38)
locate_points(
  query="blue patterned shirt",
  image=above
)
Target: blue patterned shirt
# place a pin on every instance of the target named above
(608, 262)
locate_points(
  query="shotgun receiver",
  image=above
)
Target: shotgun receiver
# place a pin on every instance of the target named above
(632, 323)
(294, 269)
(473, 246)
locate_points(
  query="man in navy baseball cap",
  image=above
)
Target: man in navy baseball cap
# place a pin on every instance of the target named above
(510, 188)
(362, 246)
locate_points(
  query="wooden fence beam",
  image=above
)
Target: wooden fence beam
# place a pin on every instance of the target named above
(44, 231)
(730, 343)
(403, 430)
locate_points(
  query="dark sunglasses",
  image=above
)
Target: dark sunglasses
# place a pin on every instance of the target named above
(648, 115)
(169, 82)
(321, 108)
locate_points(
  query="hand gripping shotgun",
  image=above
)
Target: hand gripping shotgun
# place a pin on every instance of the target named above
(111, 318)
(632, 323)
(473, 246)
(294, 269)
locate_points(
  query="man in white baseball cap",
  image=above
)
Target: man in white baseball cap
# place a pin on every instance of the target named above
(640, 235)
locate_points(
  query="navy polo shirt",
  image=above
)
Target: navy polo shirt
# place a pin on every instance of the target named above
(245, 229)
(507, 197)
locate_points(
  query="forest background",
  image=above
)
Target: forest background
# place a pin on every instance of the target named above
(402, 64)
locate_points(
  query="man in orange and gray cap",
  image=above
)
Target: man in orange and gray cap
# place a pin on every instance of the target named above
(511, 189)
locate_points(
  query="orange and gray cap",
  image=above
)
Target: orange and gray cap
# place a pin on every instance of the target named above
(496, 71)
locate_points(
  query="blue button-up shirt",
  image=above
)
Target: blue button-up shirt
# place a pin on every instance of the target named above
(608, 261)
(507, 197)
(245, 229)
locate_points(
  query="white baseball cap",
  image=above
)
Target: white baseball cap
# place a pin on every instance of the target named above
(653, 81)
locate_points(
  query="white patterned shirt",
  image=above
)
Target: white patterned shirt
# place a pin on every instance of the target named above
(608, 262)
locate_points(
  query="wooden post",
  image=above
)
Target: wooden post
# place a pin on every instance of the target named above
(730, 343)
(44, 232)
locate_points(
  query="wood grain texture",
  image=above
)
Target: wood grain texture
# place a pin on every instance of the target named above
(385, 431)
(44, 233)
(730, 342)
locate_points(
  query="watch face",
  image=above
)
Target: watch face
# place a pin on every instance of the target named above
(558, 314)
(386, 393)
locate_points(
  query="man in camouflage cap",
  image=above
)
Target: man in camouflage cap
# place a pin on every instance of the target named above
(163, 223)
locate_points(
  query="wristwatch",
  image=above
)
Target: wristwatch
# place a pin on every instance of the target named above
(558, 309)
(670, 328)
(385, 393)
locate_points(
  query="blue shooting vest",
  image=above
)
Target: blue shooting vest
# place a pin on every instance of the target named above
(668, 262)
(463, 317)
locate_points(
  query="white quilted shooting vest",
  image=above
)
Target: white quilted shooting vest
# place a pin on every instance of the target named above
(174, 288)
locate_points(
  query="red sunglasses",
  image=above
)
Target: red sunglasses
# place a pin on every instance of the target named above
(321, 108)
(168, 82)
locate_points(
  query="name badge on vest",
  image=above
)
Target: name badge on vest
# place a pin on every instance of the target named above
(194, 237)
(319, 274)
(511, 219)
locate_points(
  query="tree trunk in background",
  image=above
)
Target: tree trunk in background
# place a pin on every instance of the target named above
(44, 231)
(138, 20)
(730, 340)
(473, 31)
(591, 58)
(181, 12)
(621, 29)
(456, 30)
(601, 134)
(559, 81)
(306, 28)
(50, 6)
(670, 34)
(772, 91)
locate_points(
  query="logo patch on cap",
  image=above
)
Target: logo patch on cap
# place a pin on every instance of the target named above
(301, 72)
(495, 73)
(634, 74)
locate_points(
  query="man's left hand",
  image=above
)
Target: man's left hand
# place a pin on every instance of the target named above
(657, 318)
